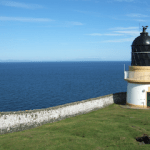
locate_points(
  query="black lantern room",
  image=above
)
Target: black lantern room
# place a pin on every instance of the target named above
(141, 49)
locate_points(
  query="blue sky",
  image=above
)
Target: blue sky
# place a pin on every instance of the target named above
(62, 30)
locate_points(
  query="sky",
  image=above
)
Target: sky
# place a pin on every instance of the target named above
(70, 30)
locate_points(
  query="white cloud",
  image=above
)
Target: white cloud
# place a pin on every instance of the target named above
(113, 34)
(120, 40)
(98, 34)
(132, 33)
(112, 1)
(121, 31)
(139, 20)
(25, 19)
(122, 28)
(20, 5)
(136, 15)
(124, 0)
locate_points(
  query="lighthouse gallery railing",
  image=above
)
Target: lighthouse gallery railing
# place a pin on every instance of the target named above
(136, 75)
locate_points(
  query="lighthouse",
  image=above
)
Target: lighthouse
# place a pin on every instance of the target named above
(138, 76)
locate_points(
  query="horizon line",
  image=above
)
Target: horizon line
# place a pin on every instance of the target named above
(66, 61)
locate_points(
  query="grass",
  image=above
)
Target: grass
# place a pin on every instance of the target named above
(110, 128)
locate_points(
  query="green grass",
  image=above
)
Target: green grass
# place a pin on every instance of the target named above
(110, 128)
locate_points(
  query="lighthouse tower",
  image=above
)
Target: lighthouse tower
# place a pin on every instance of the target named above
(138, 76)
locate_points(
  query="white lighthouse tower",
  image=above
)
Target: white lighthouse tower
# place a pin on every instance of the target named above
(138, 76)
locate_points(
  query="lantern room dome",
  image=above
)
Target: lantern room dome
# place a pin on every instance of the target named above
(142, 40)
(141, 49)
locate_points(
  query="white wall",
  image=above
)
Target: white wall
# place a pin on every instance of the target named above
(135, 95)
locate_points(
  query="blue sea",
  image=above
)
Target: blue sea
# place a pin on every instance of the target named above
(37, 85)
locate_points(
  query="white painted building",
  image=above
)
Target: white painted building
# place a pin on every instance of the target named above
(138, 76)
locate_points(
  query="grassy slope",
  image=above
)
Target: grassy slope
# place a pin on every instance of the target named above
(108, 128)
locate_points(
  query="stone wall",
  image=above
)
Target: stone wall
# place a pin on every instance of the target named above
(15, 121)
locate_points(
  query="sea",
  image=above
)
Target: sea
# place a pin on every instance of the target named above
(37, 85)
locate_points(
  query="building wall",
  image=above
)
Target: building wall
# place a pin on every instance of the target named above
(23, 120)
(136, 96)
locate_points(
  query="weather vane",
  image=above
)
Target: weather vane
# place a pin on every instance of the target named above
(144, 28)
